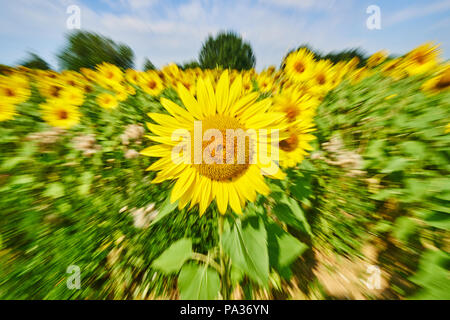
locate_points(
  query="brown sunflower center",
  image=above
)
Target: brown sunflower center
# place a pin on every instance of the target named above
(420, 57)
(152, 84)
(63, 114)
(444, 81)
(9, 92)
(321, 79)
(88, 88)
(299, 67)
(291, 113)
(55, 91)
(219, 162)
(289, 144)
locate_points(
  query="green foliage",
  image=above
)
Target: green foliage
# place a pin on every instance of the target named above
(401, 192)
(166, 208)
(174, 257)
(62, 208)
(226, 50)
(246, 244)
(190, 65)
(346, 55)
(433, 276)
(33, 61)
(148, 65)
(284, 249)
(198, 282)
(86, 50)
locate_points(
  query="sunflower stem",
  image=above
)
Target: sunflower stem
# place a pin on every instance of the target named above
(224, 266)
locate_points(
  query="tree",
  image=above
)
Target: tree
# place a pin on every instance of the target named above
(87, 49)
(190, 65)
(33, 61)
(227, 50)
(148, 65)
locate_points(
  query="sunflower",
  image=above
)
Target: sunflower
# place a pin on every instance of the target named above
(108, 74)
(87, 87)
(129, 89)
(73, 96)
(132, 76)
(107, 101)
(89, 74)
(352, 64)
(438, 83)
(247, 83)
(294, 148)
(394, 69)
(150, 83)
(121, 93)
(187, 79)
(295, 104)
(13, 90)
(51, 89)
(322, 78)
(265, 82)
(359, 74)
(59, 114)
(422, 59)
(72, 79)
(7, 111)
(299, 65)
(232, 182)
(377, 58)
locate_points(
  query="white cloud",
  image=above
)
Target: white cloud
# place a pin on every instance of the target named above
(140, 4)
(413, 12)
(301, 4)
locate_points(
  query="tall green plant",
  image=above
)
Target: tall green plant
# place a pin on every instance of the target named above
(254, 248)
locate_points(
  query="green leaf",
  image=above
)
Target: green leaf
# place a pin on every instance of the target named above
(433, 276)
(283, 247)
(438, 220)
(417, 189)
(246, 244)
(301, 187)
(54, 190)
(414, 149)
(166, 208)
(382, 226)
(395, 164)
(236, 274)
(198, 282)
(403, 228)
(174, 257)
(384, 194)
(10, 163)
(23, 179)
(375, 149)
(291, 213)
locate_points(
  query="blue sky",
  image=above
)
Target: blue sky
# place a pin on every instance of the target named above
(173, 30)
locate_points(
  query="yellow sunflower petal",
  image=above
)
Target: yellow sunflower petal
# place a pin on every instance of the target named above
(222, 91)
(189, 102)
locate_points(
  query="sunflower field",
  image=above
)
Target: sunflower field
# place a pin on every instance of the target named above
(341, 193)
